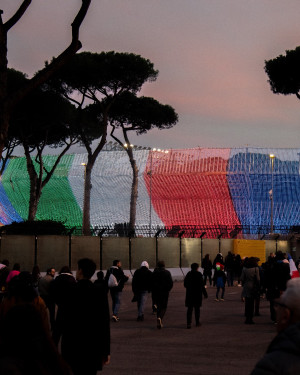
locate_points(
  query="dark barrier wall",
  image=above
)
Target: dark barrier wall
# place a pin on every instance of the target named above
(57, 251)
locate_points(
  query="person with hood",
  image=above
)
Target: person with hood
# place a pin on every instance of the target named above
(194, 284)
(161, 285)
(283, 354)
(116, 290)
(141, 286)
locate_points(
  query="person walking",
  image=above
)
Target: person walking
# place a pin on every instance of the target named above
(229, 268)
(161, 285)
(195, 287)
(141, 286)
(219, 281)
(117, 287)
(60, 289)
(85, 343)
(276, 275)
(207, 269)
(251, 287)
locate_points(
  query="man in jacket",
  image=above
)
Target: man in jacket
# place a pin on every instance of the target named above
(86, 332)
(161, 285)
(141, 285)
(116, 291)
(283, 354)
(194, 284)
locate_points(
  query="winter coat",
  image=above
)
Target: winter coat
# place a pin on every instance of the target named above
(60, 287)
(283, 354)
(86, 330)
(251, 282)
(194, 284)
(207, 267)
(219, 278)
(161, 283)
(141, 280)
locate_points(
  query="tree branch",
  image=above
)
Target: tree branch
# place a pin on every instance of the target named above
(50, 173)
(114, 137)
(17, 16)
(56, 63)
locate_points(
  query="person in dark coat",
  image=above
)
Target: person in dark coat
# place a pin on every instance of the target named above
(207, 269)
(161, 285)
(283, 354)
(116, 292)
(86, 330)
(229, 268)
(194, 284)
(251, 287)
(277, 273)
(60, 288)
(26, 346)
(141, 286)
(238, 267)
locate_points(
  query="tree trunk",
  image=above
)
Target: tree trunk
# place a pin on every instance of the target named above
(86, 222)
(134, 191)
(35, 186)
(92, 156)
(4, 115)
(135, 178)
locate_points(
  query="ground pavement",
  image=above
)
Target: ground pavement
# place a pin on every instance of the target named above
(222, 345)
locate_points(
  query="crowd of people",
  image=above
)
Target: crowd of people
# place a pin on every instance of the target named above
(39, 312)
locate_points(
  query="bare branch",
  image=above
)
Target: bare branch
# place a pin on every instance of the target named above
(17, 16)
(56, 63)
(50, 173)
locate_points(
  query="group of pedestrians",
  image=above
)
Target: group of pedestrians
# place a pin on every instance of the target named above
(159, 283)
(81, 324)
(78, 309)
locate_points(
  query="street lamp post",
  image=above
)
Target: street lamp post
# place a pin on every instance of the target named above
(271, 192)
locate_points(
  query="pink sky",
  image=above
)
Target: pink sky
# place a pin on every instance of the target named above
(210, 55)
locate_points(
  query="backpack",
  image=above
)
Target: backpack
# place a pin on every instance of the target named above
(112, 281)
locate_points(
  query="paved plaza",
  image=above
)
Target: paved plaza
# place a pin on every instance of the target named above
(222, 345)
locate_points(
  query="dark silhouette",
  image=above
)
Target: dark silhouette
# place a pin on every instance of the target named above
(251, 287)
(283, 354)
(25, 345)
(193, 282)
(161, 285)
(141, 286)
(86, 333)
(60, 289)
(207, 269)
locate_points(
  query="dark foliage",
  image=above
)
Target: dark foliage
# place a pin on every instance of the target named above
(42, 227)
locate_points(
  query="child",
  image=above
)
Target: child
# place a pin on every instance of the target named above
(219, 280)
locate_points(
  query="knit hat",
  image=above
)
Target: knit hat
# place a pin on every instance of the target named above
(145, 264)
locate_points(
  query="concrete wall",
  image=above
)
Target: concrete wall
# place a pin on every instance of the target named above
(57, 251)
